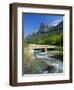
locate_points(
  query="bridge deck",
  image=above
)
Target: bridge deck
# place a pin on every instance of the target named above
(34, 46)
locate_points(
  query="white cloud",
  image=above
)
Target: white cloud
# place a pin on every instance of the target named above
(56, 22)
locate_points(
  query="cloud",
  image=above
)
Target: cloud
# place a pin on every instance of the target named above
(56, 22)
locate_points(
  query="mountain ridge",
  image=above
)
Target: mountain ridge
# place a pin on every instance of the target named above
(47, 35)
(43, 29)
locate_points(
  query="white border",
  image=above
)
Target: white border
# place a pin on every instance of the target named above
(48, 77)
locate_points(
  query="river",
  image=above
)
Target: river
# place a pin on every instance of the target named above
(54, 63)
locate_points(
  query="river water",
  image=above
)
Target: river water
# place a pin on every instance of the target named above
(54, 64)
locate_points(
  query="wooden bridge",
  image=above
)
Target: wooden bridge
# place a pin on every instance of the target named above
(45, 47)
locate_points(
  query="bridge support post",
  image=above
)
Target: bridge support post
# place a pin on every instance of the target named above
(45, 49)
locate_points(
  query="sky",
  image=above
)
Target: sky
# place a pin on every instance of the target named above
(33, 21)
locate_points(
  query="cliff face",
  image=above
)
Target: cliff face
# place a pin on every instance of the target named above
(43, 28)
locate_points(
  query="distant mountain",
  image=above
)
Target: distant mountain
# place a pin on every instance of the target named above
(59, 26)
(44, 33)
(43, 28)
(46, 30)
